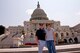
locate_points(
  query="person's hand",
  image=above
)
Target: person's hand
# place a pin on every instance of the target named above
(54, 42)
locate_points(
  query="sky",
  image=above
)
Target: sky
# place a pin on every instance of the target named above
(15, 12)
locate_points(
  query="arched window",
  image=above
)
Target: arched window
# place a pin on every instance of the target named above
(67, 33)
(76, 40)
(65, 40)
(70, 40)
(73, 34)
(62, 34)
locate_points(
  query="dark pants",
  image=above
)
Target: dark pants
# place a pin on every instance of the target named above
(51, 46)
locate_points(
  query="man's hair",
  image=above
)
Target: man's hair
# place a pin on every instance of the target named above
(2, 29)
(48, 24)
(41, 24)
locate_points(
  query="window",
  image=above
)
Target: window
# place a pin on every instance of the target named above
(67, 33)
(62, 34)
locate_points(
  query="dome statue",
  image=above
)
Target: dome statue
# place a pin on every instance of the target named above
(38, 14)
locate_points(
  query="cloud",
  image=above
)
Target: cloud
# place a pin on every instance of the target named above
(78, 13)
(29, 11)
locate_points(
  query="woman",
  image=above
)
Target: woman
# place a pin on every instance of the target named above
(50, 37)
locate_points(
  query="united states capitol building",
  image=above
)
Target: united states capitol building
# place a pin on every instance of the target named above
(64, 34)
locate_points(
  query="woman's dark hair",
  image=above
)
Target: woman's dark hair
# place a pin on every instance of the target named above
(2, 29)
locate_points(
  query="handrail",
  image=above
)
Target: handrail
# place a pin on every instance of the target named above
(3, 38)
(14, 34)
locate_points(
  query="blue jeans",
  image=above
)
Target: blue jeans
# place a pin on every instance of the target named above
(51, 46)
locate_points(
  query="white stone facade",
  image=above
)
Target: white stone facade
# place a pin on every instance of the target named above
(32, 26)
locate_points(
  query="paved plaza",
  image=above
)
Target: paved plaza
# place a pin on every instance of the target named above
(73, 48)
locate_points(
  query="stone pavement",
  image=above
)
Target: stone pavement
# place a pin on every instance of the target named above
(74, 48)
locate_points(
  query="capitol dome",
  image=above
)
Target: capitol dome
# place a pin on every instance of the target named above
(38, 14)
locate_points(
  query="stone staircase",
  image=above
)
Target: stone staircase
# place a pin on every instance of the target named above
(75, 48)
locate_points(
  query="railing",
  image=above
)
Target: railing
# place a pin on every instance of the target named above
(6, 45)
(4, 38)
(14, 34)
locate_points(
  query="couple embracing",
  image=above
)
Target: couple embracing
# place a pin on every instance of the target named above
(45, 37)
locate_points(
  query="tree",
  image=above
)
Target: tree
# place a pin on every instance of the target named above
(2, 29)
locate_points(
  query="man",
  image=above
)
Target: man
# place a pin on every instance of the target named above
(50, 39)
(40, 36)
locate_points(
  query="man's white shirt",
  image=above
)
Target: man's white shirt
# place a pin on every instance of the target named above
(49, 34)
